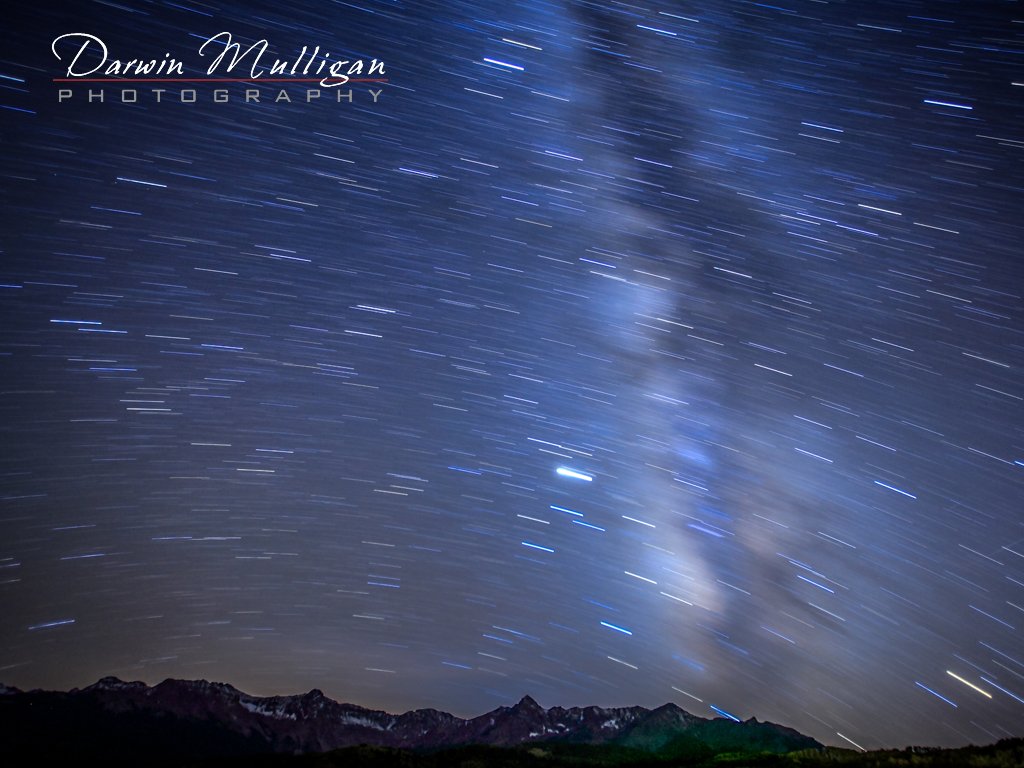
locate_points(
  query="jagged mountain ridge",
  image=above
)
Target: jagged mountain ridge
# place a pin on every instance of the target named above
(234, 722)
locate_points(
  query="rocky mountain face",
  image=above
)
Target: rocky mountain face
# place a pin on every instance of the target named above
(190, 719)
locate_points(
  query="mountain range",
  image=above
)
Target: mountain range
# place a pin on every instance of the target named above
(195, 719)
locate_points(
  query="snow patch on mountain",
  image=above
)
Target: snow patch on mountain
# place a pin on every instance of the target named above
(260, 707)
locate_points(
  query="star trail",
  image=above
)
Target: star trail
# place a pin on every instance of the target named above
(611, 353)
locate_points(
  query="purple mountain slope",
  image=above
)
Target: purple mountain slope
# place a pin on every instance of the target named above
(235, 722)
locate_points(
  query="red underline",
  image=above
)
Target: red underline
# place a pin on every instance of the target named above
(216, 80)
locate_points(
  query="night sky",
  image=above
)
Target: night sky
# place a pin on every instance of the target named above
(619, 353)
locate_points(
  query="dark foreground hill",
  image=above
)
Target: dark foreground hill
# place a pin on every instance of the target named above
(1008, 753)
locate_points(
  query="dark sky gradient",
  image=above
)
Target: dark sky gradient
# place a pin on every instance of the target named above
(619, 354)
